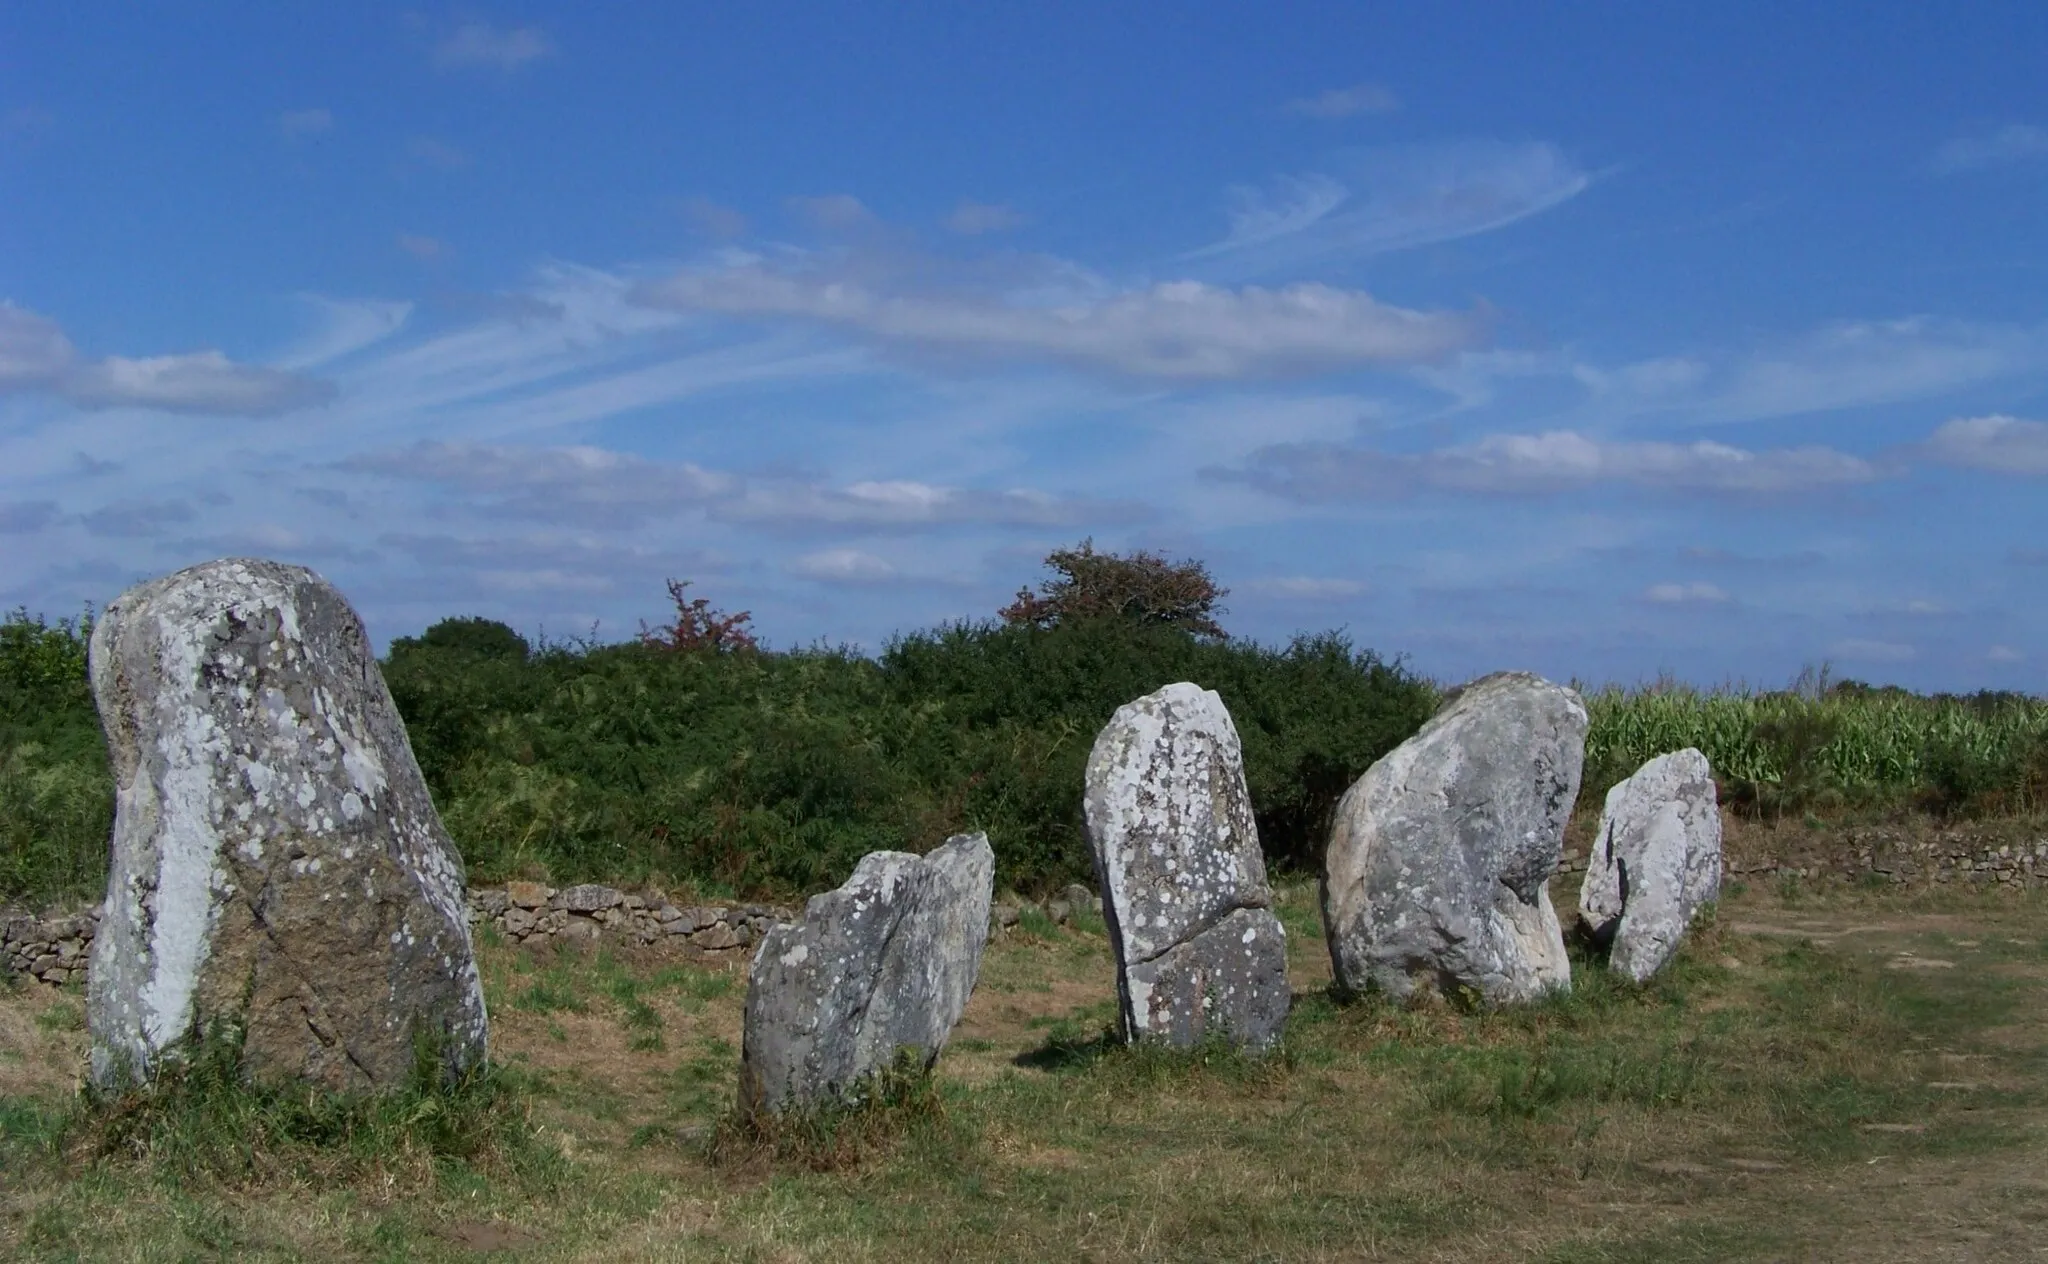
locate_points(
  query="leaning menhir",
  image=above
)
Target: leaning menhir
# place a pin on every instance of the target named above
(277, 865)
(1198, 949)
(884, 963)
(1656, 861)
(1435, 875)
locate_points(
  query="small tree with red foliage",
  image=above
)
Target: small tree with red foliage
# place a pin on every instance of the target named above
(698, 627)
(1143, 587)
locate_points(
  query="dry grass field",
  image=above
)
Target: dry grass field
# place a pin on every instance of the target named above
(1840, 1075)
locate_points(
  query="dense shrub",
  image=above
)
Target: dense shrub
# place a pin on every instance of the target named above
(776, 771)
(56, 797)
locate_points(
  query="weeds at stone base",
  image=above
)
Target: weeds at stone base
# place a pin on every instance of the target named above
(893, 1104)
(1151, 1065)
(202, 1117)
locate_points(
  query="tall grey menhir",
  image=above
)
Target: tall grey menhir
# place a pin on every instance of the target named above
(277, 865)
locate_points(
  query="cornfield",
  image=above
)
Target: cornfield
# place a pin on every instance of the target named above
(1821, 747)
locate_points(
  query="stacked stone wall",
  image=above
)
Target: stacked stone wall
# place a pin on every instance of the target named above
(53, 946)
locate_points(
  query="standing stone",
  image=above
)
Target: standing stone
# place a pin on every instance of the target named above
(1435, 875)
(277, 864)
(884, 963)
(1656, 861)
(1198, 949)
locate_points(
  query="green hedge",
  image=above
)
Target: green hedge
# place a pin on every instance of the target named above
(772, 773)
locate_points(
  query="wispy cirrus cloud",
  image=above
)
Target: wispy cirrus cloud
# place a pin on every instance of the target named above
(1544, 464)
(1383, 200)
(2005, 146)
(344, 327)
(1337, 103)
(1177, 329)
(35, 355)
(481, 44)
(1835, 366)
(1855, 363)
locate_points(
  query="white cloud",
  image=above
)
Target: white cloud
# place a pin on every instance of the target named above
(422, 247)
(575, 484)
(2004, 444)
(33, 350)
(1395, 199)
(35, 355)
(899, 504)
(842, 566)
(1180, 329)
(1858, 651)
(1696, 593)
(2013, 143)
(202, 382)
(603, 488)
(2004, 654)
(1304, 588)
(833, 211)
(1360, 98)
(711, 218)
(436, 153)
(137, 519)
(482, 44)
(528, 581)
(299, 124)
(1555, 461)
(972, 219)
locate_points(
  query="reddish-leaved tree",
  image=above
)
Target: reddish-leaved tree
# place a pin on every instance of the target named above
(698, 626)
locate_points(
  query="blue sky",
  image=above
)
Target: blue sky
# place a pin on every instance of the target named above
(1603, 343)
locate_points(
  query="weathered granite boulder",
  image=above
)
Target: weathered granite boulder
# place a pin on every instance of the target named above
(1655, 862)
(1435, 875)
(277, 864)
(884, 963)
(1198, 949)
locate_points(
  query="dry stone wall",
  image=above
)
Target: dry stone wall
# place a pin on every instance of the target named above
(1992, 854)
(533, 913)
(54, 946)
